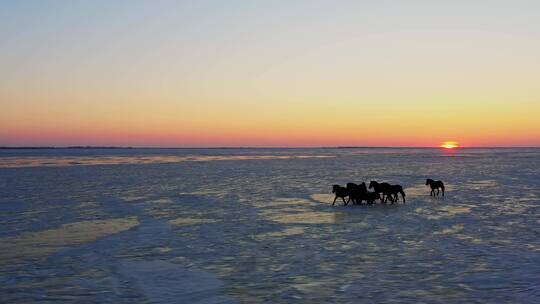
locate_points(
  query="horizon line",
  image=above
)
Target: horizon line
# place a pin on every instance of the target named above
(255, 147)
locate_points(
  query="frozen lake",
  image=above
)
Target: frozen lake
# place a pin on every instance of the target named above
(257, 226)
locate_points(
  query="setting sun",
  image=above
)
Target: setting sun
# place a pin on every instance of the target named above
(449, 144)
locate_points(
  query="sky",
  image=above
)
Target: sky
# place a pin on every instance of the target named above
(269, 73)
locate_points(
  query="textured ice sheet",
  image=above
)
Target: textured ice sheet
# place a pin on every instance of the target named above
(233, 228)
(165, 282)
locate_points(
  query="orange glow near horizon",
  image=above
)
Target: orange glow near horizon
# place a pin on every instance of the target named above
(305, 75)
(449, 145)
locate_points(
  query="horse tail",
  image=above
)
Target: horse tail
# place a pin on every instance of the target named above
(402, 194)
(442, 186)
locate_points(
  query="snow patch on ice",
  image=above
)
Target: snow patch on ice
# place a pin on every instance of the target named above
(37, 244)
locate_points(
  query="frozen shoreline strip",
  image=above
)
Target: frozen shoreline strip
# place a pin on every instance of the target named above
(63, 161)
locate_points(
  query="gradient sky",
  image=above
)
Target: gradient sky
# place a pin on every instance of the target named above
(269, 73)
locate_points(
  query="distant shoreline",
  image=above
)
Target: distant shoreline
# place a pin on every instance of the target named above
(236, 148)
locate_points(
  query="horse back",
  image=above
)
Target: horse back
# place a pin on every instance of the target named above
(439, 184)
(397, 188)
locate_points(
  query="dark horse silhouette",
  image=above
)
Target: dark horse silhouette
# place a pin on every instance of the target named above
(435, 185)
(359, 193)
(340, 192)
(388, 191)
(356, 192)
(378, 188)
(370, 197)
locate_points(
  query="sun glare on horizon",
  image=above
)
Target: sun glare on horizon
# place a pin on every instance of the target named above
(449, 145)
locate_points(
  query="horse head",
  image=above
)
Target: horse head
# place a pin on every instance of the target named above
(335, 188)
(373, 184)
(429, 181)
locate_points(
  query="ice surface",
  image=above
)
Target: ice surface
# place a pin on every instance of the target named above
(31, 245)
(257, 225)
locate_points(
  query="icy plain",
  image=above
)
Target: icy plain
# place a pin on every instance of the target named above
(257, 226)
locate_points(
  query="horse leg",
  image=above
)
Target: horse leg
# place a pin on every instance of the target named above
(438, 191)
(335, 198)
(345, 202)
